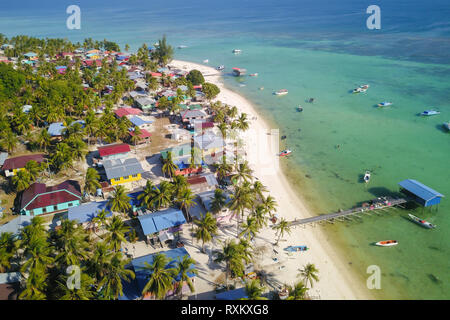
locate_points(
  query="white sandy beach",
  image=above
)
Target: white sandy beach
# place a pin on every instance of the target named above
(336, 280)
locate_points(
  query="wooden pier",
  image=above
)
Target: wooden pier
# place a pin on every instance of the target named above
(372, 207)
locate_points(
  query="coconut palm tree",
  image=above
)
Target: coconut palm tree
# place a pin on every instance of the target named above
(281, 228)
(241, 200)
(179, 184)
(9, 141)
(8, 250)
(243, 172)
(259, 189)
(206, 228)
(100, 260)
(36, 285)
(115, 272)
(44, 139)
(120, 201)
(101, 218)
(147, 195)
(91, 181)
(161, 278)
(231, 254)
(169, 167)
(184, 270)
(260, 214)
(162, 195)
(71, 243)
(242, 122)
(253, 290)
(309, 274)
(250, 228)
(223, 169)
(33, 169)
(116, 233)
(298, 292)
(186, 201)
(37, 256)
(83, 292)
(269, 204)
(21, 180)
(219, 201)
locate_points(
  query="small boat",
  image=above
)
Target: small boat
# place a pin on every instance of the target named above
(447, 125)
(366, 177)
(423, 223)
(311, 100)
(285, 153)
(253, 74)
(205, 61)
(387, 243)
(221, 67)
(261, 88)
(283, 137)
(357, 90)
(365, 86)
(236, 51)
(299, 108)
(385, 104)
(182, 47)
(430, 113)
(296, 248)
(280, 92)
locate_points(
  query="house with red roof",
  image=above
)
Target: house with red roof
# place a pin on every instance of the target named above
(114, 151)
(12, 165)
(144, 137)
(39, 199)
(127, 111)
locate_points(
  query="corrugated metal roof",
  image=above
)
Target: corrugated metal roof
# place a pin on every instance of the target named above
(419, 189)
(155, 222)
(232, 294)
(112, 149)
(14, 226)
(20, 162)
(88, 211)
(138, 121)
(10, 277)
(3, 157)
(142, 274)
(118, 168)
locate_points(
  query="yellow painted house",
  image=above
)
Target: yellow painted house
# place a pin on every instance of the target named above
(120, 171)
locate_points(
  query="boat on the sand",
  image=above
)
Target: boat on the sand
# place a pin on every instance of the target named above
(296, 248)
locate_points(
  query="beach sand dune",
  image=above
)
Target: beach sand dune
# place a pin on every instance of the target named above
(336, 278)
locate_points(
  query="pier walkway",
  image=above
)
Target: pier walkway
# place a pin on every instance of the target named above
(369, 207)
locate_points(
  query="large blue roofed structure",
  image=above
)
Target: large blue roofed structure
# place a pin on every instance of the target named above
(86, 212)
(232, 294)
(421, 193)
(162, 220)
(142, 274)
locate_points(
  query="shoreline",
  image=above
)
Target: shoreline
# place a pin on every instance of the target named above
(337, 282)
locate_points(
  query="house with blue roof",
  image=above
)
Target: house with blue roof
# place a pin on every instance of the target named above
(84, 213)
(56, 129)
(143, 274)
(16, 225)
(420, 193)
(141, 123)
(160, 222)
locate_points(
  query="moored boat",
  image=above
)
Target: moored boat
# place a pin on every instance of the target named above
(387, 243)
(237, 51)
(221, 67)
(285, 153)
(206, 61)
(281, 92)
(253, 74)
(447, 125)
(430, 113)
(367, 177)
(182, 47)
(421, 222)
(299, 108)
(385, 104)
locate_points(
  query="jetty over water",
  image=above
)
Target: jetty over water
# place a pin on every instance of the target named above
(380, 203)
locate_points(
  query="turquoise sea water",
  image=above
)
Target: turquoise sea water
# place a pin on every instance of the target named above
(322, 50)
